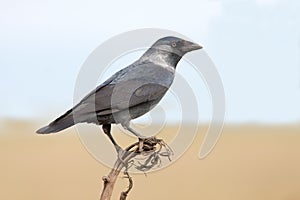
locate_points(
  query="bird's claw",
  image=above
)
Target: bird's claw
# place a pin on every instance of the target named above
(147, 144)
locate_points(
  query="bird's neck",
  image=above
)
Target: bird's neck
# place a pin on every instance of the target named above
(161, 57)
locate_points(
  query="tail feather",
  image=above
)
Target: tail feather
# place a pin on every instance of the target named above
(61, 123)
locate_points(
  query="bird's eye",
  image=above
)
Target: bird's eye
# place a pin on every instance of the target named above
(173, 44)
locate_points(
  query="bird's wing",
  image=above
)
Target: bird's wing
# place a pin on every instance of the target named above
(141, 85)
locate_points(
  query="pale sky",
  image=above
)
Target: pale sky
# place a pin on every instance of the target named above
(254, 44)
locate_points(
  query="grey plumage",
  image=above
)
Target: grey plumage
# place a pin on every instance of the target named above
(131, 92)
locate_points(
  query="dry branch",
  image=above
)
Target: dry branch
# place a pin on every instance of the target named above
(152, 151)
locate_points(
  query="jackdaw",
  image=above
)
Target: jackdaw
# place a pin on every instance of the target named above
(130, 92)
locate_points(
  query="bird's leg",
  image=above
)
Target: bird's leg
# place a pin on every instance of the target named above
(141, 137)
(141, 144)
(106, 129)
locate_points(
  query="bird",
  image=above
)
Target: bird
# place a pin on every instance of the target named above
(129, 93)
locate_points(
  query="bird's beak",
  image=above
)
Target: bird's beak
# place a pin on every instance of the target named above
(190, 46)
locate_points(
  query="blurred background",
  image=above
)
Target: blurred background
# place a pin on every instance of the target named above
(255, 46)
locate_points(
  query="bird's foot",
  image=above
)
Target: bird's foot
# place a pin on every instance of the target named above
(147, 144)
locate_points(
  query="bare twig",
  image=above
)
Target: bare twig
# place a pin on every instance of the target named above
(125, 193)
(148, 158)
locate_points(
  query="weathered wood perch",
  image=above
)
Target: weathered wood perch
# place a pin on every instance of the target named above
(152, 151)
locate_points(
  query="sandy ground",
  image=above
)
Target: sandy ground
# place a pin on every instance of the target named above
(249, 162)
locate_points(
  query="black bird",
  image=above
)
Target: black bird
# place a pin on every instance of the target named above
(129, 93)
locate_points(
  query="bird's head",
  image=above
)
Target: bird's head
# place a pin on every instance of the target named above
(175, 45)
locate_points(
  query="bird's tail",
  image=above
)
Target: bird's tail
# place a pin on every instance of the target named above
(61, 123)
